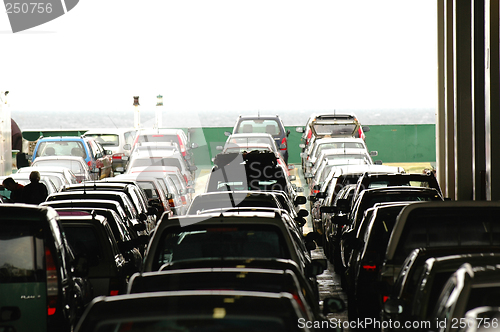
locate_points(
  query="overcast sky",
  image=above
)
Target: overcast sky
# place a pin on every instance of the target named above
(209, 55)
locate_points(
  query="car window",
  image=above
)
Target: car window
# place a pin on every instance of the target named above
(96, 149)
(268, 126)
(74, 166)
(22, 248)
(105, 139)
(60, 148)
(260, 241)
(156, 162)
(84, 240)
(129, 137)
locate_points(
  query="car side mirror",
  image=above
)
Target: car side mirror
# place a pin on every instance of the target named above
(143, 217)
(302, 146)
(393, 306)
(193, 145)
(378, 162)
(139, 227)
(299, 200)
(328, 209)
(340, 220)
(227, 133)
(343, 204)
(219, 147)
(300, 189)
(152, 210)
(192, 168)
(108, 152)
(303, 213)
(373, 153)
(127, 147)
(191, 191)
(292, 178)
(169, 196)
(315, 268)
(300, 221)
(287, 132)
(366, 129)
(333, 305)
(299, 129)
(321, 194)
(290, 167)
(308, 175)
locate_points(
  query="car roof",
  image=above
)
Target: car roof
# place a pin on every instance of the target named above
(451, 206)
(109, 131)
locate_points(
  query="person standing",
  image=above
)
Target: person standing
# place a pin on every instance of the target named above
(16, 190)
(35, 192)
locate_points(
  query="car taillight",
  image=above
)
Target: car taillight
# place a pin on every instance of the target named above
(185, 178)
(171, 203)
(118, 155)
(52, 282)
(299, 302)
(90, 164)
(369, 267)
(181, 146)
(114, 286)
(384, 298)
(183, 199)
(284, 143)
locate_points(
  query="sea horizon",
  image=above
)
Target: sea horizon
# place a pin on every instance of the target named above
(57, 120)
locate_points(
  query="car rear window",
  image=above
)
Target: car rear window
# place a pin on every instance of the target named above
(84, 240)
(334, 129)
(268, 126)
(74, 166)
(22, 252)
(158, 138)
(225, 240)
(187, 322)
(106, 139)
(431, 228)
(205, 203)
(61, 148)
(156, 162)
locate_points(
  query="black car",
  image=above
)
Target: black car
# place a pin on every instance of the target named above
(256, 170)
(368, 198)
(91, 236)
(133, 191)
(43, 285)
(117, 196)
(423, 276)
(200, 310)
(270, 124)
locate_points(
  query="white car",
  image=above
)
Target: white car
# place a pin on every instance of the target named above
(76, 164)
(68, 175)
(160, 157)
(117, 140)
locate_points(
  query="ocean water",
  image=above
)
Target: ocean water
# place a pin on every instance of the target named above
(30, 120)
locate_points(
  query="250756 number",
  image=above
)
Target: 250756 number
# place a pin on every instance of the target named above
(25, 8)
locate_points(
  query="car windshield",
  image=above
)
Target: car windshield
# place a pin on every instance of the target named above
(268, 126)
(105, 139)
(61, 148)
(334, 129)
(214, 241)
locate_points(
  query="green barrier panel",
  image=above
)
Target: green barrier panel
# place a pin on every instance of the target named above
(394, 143)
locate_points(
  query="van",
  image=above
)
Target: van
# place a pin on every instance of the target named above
(43, 286)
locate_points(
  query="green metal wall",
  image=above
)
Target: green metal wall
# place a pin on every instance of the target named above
(394, 143)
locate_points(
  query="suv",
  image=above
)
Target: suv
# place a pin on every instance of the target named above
(98, 159)
(117, 140)
(270, 124)
(43, 285)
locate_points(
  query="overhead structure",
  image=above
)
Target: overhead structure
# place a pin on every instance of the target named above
(468, 119)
